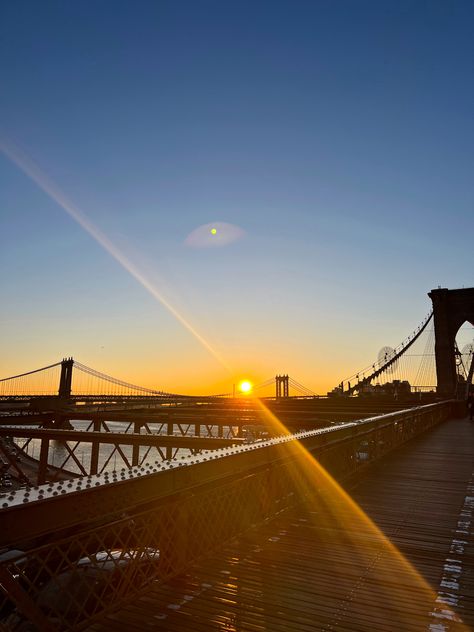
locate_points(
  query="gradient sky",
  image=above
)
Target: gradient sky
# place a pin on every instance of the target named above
(338, 135)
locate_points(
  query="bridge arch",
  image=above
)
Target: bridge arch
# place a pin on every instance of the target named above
(451, 309)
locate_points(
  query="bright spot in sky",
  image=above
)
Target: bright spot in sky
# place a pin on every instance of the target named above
(245, 386)
(212, 235)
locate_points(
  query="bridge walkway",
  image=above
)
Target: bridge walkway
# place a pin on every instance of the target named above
(325, 567)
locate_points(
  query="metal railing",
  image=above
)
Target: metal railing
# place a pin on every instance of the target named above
(80, 548)
(66, 453)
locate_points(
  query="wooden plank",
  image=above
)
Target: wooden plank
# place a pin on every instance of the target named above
(323, 567)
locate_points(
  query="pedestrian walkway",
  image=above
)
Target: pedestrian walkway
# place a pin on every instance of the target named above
(408, 566)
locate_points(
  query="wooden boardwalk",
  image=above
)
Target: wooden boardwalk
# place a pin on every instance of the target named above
(328, 567)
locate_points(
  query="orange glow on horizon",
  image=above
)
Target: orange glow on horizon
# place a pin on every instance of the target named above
(32, 170)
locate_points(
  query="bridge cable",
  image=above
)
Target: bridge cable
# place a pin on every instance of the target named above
(383, 366)
(44, 368)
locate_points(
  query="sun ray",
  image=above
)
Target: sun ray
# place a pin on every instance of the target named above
(336, 508)
(31, 169)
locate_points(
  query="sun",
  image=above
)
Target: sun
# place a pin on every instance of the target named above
(245, 386)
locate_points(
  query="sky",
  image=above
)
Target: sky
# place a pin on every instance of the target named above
(330, 143)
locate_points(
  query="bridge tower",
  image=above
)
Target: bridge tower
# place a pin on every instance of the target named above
(65, 381)
(451, 309)
(282, 386)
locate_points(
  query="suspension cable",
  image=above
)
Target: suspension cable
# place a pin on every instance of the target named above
(383, 365)
(44, 368)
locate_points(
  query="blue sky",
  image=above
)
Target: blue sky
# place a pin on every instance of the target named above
(338, 135)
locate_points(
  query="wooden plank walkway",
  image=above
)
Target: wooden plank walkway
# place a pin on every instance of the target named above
(327, 567)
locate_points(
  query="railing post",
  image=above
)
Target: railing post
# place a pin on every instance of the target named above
(43, 461)
(135, 446)
(169, 449)
(95, 448)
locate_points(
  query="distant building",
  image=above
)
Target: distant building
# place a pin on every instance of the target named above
(396, 389)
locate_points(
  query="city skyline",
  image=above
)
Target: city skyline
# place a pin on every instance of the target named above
(329, 146)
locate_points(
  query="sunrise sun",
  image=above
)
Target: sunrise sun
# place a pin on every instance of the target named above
(245, 386)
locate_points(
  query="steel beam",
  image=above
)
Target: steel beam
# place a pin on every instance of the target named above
(119, 438)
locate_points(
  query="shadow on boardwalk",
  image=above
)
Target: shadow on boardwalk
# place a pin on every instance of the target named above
(321, 569)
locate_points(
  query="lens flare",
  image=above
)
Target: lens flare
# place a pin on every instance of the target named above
(25, 164)
(351, 529)
(213, 235)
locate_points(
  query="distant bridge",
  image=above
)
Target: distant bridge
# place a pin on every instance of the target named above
(70, 382)
(84, 536)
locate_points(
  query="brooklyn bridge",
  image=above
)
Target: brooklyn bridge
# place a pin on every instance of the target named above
(127, 508)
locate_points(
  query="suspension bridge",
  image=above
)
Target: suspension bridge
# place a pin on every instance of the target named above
(71, 381)
(125, 507)
(415, 362)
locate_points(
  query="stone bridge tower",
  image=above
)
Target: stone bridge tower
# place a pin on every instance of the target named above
(451, 309)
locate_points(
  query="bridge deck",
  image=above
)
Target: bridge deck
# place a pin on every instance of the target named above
(326, 567)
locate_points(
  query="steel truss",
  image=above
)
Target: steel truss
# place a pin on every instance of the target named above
(88, 545)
